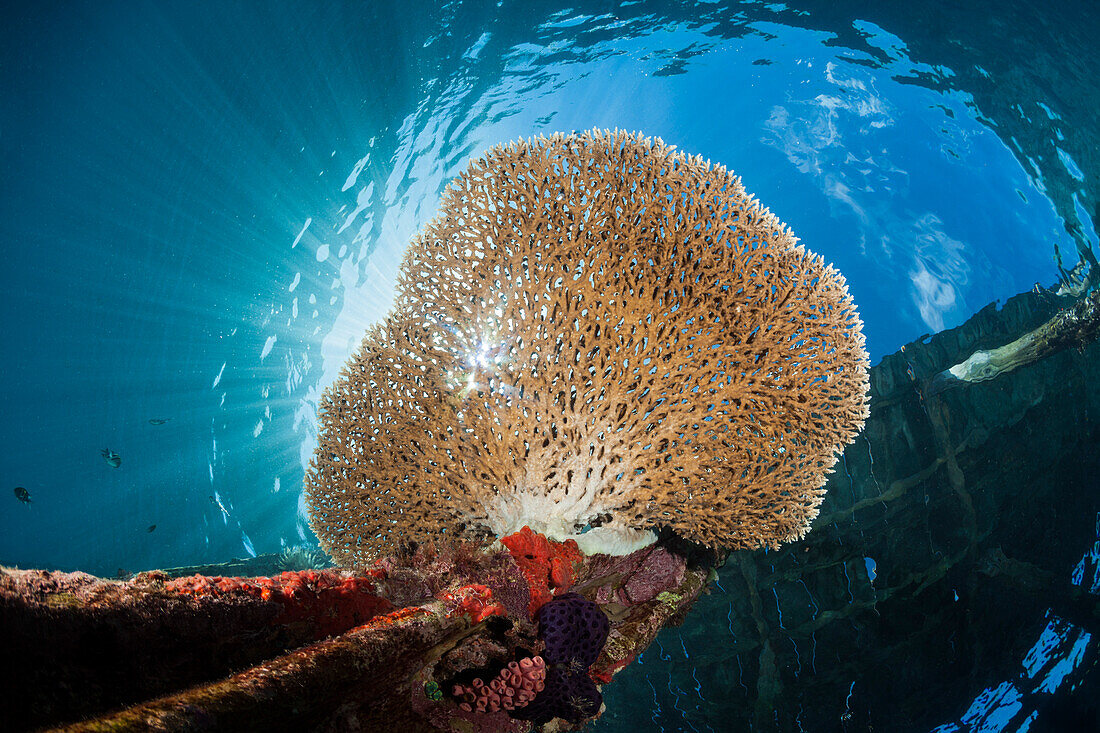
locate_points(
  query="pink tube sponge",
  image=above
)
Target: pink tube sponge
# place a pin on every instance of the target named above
(515, 686)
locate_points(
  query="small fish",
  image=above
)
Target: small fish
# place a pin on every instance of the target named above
(218, 503)
(22, 495)
(113, 459)
(151, 528)
(158, 420)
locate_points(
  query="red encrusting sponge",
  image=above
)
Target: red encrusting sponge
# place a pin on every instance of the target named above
(332, 600)
(547, 565)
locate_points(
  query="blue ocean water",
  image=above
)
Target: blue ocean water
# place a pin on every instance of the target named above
(202, 207)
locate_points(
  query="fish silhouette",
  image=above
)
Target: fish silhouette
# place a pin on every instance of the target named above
(22, 495)
(158, 420)
(113, 459)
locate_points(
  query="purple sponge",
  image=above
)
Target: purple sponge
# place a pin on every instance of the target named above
(574, 631)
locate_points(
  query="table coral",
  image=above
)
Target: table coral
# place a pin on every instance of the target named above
(598, 337)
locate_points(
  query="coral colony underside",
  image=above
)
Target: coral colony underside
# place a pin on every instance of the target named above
(451, 638)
